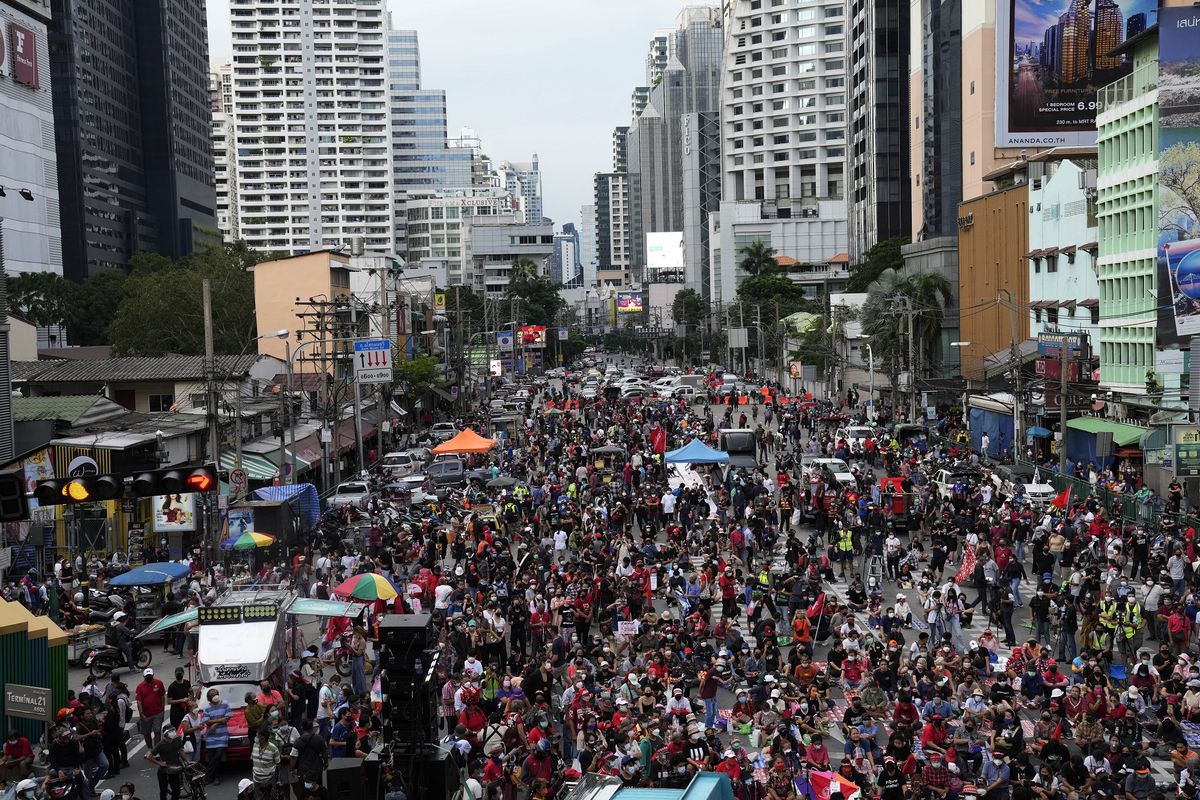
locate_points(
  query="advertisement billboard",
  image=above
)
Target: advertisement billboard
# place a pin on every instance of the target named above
(1179, 169)
(533, 336)
(24, 55)
(629, 302)
(1053, 55)
(174, 512)
(664, 251)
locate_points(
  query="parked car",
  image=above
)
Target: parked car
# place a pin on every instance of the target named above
(945, 479)
(397, 465)
(447, 472)
(353, 494)
(1005, 478)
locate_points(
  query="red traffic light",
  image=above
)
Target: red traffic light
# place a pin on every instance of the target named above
(201, 480)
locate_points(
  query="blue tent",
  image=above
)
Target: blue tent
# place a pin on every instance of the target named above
(301, 496)
(151, 574)
(696, 452)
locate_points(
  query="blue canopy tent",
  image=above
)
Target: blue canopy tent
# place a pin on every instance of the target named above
(696, 452)
(151, 574)
(302, 497)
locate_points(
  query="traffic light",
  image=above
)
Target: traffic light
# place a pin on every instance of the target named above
(14, 506)
(84, 489)
(177, 480)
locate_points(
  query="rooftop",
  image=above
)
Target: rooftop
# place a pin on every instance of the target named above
(127, 370)
(81, 410)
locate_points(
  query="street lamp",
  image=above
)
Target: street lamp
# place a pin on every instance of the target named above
(965, 418)
(871, 372)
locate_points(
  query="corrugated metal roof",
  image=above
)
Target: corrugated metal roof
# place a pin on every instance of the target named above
(128, 370)
(80, 410)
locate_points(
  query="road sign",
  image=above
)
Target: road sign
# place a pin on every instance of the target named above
(238, 480)
(28, 702)
(504, 342)
(562, 334)
(439, 303)
(373, 361)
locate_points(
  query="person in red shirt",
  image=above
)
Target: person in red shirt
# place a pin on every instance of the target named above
(151, 700)
(18, 757)
(729, 766)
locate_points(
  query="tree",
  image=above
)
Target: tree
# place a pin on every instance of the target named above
(885, 320)
(39, 297)
(688, 310)
(767, 290)
(758, 259)
(884, 255)
(538, 301)
(416, 376)
(161, 308)
(93, 307)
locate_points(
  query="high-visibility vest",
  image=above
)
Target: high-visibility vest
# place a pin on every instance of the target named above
(1108, 613)
(846, 541)
(1133, 620)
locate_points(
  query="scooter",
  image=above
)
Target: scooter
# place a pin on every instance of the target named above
(103, 660)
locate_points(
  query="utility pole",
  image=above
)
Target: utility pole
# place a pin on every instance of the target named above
(912, 361)
(1062, 405)
(758, 334)
(214, 422)
(385, 313)
(1015, 359)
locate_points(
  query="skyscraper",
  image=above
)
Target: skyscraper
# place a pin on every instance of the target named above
(783, 143)
(312, 124)
(936, 106)
(880, 203)
(1076, 47)
(1135, 24)
(524, 182)
(587, 244)
(133, 125)
(1110, 25)
(688, 83)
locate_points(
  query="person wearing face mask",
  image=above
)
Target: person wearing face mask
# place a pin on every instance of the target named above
(17, 756)
(311, 789)
(216, 733)
(151, 702)
(168, 757)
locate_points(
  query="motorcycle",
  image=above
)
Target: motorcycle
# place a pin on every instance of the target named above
(101, 661)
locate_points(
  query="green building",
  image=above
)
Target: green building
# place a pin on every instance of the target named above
(1127, 207)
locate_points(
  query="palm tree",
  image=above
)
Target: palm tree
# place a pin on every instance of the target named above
(885, 320)
(758, 259)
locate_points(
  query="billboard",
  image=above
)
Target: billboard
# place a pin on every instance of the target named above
(664, 251)
(24, 55)
(533, 335)
(1053, 55)
(629, 302)
(174, 512)
(1179, 170)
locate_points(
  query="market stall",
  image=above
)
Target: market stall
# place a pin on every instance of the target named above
(151, 583)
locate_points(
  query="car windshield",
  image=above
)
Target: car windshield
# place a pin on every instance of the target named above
(352, 488)
(233, 693)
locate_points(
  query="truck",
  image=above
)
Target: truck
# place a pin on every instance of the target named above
(741, 445)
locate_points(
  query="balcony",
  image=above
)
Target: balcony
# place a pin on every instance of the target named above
(1137, 83)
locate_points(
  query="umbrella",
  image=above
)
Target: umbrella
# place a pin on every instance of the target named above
(367, 586)
(248, 541)
(503, 482)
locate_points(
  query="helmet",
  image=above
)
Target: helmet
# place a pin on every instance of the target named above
(118, 616)
(78, 598)
(27, 788)
(542, 747)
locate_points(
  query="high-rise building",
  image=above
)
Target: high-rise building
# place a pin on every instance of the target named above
(588, 234)
(133, 130)
(224, 151)
(620, 148)
(422, 159)
(613, 242)
(1110, 26)
(783, 143)
(880, 203)
(312, 124)
(524, 181)
(30, 232)
(688, 82)
(563, 264)
(935, 89)
(1135, 24)
(1076, 27)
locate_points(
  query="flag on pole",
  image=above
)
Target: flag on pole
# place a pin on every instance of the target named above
(1037, 475)
(1062, 500)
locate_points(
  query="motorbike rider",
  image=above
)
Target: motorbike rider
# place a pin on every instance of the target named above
(123, 638)
(28, 789)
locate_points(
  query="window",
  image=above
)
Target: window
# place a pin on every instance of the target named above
(1095, 314)
(1052, 263)
(779, 52)
(833, 30)
(1037, 265)
(199, 400)
(1037, 315)
(780, 70)
(1052, 316)
(972, 87)
(161, 402)
(972, 157)
(835, 64)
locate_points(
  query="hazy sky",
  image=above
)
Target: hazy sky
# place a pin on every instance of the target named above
(551, 77)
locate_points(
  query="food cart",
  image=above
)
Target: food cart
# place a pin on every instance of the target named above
(82, 639)
(150, 583)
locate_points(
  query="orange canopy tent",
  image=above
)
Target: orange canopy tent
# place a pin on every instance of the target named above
(468, 441)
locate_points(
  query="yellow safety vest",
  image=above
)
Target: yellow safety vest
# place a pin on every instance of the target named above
(846, 541)
(1108, 613)
(1133, 621)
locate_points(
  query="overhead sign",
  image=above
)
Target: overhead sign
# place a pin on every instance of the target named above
(1052, 57)
(174, 512)
(439, 303)
(1179, 136)
(373, 361)
(28, 702)
(1187, 461)
(664, 251)
(533, 336)
(563, 334)
(504, 342)
(1076, 343)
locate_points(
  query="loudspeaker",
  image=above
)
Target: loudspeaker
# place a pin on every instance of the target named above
(372, 768)
(343, 778)
(429, 774)
(409, 710)
(403, 640)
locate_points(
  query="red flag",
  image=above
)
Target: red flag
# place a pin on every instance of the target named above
(1062, 500)
(658, 439)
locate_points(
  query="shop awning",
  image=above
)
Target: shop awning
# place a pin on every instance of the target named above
(1091, 302)
(1090, 246)
(171, 621)
(1122, 435)
(1034, 254)
(258, 468)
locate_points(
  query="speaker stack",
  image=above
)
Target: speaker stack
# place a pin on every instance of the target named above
(408, 683)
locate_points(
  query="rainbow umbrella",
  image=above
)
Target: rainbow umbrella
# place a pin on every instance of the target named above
(367, 586)
(248, 541)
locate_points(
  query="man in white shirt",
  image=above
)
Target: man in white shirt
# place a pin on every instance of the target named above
(560, 545)
(668, 504)
(323, 565)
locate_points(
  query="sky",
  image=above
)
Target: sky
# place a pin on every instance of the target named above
(551, 77)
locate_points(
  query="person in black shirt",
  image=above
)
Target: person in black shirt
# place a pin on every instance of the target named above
(890, 781)
(178, 694)
(168, 756)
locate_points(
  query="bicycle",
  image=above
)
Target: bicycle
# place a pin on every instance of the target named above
(192, 786)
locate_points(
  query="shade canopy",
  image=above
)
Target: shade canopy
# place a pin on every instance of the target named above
(696, 452)
(151, 574)
(367, 586)
(468, 441)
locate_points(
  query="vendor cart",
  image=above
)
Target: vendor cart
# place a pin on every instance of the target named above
(81, 640)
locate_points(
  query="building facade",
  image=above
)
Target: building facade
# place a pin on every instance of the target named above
(438, 226)
(1127, 211)
(220, 89)
(496, 246)
(132, 131)
(524, 182)
(879, 192)
(783, 142)
(1064, 291)
(614, 243)
(935, 86)
(588, 234)
(29, 209)
(312, 124)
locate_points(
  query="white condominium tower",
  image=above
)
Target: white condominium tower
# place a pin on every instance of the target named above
(311, 124)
